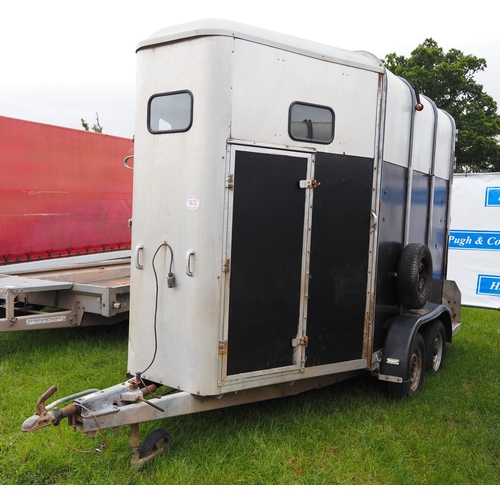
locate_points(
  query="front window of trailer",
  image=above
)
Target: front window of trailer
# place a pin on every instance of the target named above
(311, 123)
(170, 112)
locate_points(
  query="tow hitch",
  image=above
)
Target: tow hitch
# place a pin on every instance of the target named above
(125, 404)
(93, 408)
(48, 416)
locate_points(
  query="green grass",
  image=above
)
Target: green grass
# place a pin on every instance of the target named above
(346, 434)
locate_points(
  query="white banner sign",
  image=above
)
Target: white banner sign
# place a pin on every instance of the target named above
(474, 247)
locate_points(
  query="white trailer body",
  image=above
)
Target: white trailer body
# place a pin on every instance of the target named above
(230, 188)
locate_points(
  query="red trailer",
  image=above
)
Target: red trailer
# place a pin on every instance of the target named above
(65, 206)
(62, 192)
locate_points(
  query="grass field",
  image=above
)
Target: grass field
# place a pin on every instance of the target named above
(347, 434)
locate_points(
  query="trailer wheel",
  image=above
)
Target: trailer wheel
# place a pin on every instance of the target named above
(414, 378)
(158, 441)
(435, 344)
(414, 276)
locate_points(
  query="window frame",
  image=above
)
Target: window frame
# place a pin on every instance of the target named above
(164, 94)
(310, 105)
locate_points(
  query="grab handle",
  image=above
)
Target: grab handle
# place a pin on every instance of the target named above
(189, 253)
(125, 161)
(138, 249)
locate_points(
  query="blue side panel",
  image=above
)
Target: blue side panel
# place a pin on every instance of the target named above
(419, 208)
(390, 245)
(391, 236)
(439, 243)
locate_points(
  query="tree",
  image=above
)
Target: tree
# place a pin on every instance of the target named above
(96, 127)
(448, 79)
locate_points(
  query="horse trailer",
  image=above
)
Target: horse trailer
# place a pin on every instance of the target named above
(290, 226)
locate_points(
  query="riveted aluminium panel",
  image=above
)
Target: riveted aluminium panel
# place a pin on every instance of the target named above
(445, 146)
(224, 28)
(268, 78)
(424, 137)
(179, 189)
(397, 122)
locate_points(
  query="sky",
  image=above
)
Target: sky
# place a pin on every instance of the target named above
(66, 60)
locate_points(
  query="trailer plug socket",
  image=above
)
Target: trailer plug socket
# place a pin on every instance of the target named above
(170, 280)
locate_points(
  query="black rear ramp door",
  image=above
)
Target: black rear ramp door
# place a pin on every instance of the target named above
(269, 274)
(339, 258)
(266, 260)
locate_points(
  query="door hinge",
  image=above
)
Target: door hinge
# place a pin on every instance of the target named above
(230, 181)
(225, 266)
(300, 341)
(223, 347)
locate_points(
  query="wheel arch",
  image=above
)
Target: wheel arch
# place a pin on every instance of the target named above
(399, 338)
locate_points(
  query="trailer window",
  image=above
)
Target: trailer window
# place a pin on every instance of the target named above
(170, 112)
(311, 123)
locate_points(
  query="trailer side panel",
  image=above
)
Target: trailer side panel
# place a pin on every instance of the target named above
(63, 192)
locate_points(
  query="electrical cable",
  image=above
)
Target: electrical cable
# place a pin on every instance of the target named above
(157, 287)
(101, 430)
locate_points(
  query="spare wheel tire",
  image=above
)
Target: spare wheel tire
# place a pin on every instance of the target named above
(414, 276)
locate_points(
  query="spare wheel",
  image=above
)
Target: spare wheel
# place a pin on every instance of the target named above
(414, 276)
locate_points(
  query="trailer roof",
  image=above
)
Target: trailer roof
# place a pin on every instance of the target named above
(220, 27)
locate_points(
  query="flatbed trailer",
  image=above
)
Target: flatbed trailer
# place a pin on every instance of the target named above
(65, 292)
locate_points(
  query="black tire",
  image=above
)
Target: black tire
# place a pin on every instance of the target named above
(158, 441)
(414, 378)
(414, 276)
(435, 345)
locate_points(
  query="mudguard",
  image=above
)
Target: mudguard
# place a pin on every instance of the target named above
(395, 363)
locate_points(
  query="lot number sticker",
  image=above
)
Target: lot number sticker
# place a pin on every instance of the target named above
(193, 203)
